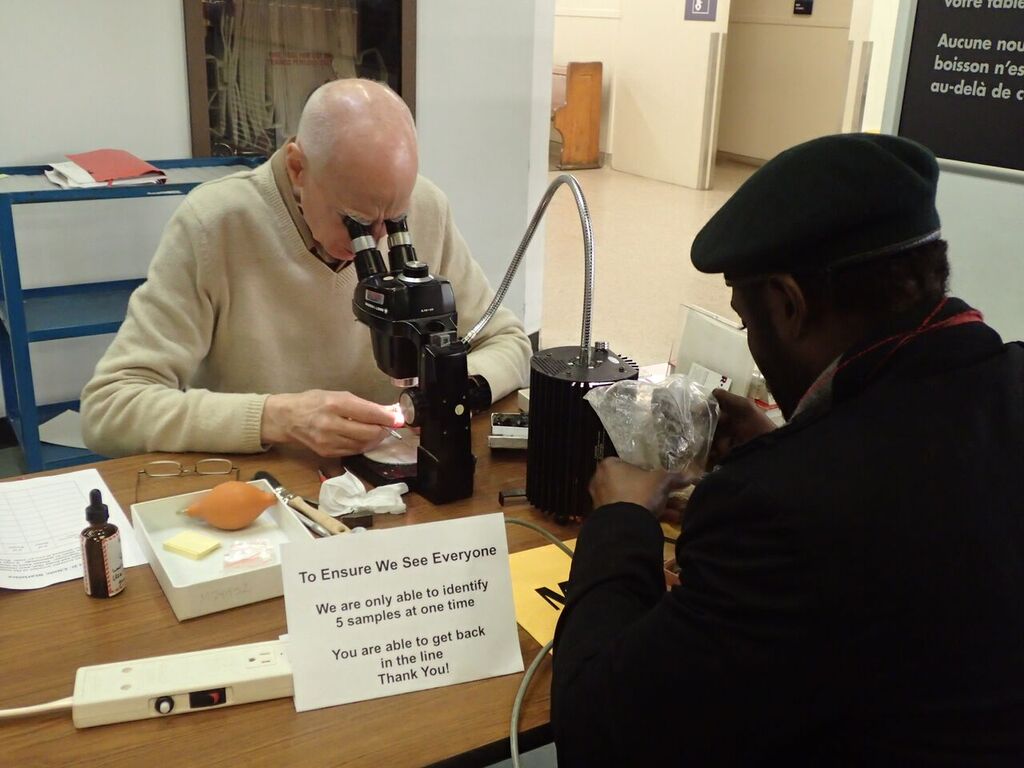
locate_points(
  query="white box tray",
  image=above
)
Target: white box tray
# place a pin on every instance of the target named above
(197, 587)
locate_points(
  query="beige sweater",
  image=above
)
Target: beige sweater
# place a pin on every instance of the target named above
(235, 307)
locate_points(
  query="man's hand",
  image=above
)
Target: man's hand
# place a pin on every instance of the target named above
(616, 481)
(739, 421)
(329, 423)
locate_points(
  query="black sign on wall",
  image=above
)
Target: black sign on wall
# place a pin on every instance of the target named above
(964, 91)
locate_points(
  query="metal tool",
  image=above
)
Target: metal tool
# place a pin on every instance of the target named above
(357, 518)
(313, 525)
(299, 505)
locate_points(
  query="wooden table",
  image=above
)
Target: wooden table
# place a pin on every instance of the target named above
(46, 634)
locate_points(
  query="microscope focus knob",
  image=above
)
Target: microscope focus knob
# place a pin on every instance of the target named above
(412, 404)
(416, 270)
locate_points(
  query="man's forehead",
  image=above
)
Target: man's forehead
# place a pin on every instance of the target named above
(367, 216)
(370, 202)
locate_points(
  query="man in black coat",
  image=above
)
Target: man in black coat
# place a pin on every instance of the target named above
(852, 584)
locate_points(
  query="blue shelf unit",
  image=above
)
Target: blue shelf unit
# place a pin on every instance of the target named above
(29, 315)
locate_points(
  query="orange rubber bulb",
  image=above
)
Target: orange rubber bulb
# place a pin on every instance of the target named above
(231, 505)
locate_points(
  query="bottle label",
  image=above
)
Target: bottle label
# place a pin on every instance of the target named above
(85, 566)
(113, 564)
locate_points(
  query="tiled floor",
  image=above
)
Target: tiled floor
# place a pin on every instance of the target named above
(542, 757)
(11, 462)
(643, 231)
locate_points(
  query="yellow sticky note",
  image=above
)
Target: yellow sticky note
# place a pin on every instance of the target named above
(191, 544)
(537, 579)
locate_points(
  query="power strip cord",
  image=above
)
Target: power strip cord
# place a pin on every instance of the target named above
(38, 709)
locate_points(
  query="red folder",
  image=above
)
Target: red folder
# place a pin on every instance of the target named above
(113, 164)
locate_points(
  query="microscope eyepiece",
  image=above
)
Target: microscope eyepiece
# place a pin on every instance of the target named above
(356, 228)
(400, 248)
(361, 234)
(394, 226)
(369, 262)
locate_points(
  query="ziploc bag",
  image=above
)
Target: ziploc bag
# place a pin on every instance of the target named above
(668, 425)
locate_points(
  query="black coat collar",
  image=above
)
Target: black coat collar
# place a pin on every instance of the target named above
(930, 352)
(869, 361)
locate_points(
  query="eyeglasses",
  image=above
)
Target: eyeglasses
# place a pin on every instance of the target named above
(168, 468)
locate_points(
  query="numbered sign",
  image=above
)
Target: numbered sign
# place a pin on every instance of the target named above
(701, 10)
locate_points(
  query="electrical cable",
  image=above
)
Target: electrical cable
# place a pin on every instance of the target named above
(545, 533)
(37, 709)
(513, 731)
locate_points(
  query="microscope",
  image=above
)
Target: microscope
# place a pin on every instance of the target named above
(413, 326)
(413, 323)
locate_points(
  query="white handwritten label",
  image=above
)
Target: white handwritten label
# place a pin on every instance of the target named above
(403, 609)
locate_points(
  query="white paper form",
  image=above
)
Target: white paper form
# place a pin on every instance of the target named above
(63, 429)
(40, 523)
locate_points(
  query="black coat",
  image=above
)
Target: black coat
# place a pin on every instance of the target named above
(852, 585)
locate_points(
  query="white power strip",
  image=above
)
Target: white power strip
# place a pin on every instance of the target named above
(185, 682)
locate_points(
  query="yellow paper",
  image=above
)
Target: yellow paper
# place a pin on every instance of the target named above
(191, 544)
(538, 579)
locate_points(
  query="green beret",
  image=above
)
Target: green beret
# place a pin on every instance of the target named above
(822, 205)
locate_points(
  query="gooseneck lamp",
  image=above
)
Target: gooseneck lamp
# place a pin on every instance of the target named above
(413, 323)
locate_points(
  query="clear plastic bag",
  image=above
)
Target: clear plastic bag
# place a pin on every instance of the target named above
(254, 553)
(668, 425)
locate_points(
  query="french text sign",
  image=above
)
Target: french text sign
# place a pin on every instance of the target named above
(391, 611)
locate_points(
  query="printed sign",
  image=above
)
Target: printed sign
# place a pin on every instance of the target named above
(539, 579)
(701, 10)
(383, 612)
(964, 92)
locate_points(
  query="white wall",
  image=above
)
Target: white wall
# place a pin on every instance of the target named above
(666, 92)
(482, 117)
(983, 221)
(76, 76)
(588, 30)
(882, 34)
(82, 74)
(785, 75)
(981, 216)
(859, 66)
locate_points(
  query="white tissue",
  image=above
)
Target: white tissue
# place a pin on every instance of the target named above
(346, 493)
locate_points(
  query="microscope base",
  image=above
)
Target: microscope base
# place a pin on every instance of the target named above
(378, 473)
(437, 488)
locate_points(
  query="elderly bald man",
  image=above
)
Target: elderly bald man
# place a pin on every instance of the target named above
(243, 337)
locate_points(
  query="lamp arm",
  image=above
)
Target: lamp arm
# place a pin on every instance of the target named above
(588, 257)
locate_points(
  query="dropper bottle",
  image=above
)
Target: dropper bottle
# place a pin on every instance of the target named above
(102, 565)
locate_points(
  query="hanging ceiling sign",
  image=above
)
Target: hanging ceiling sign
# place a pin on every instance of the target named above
(701, 10)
